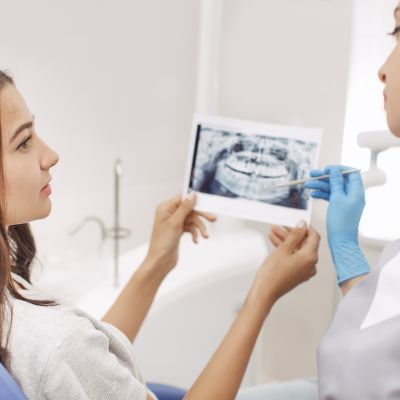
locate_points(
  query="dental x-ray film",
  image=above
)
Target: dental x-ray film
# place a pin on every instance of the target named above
(236, 168)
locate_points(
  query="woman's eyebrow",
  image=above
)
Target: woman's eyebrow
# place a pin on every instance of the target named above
(24, 126)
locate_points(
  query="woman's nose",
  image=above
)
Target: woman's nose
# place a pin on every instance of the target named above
(50, 158)
(56, 158)
(382, 75)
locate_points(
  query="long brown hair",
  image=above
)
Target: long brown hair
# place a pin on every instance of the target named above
(17, 251)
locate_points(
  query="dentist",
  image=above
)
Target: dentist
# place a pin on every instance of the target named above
(359, 358)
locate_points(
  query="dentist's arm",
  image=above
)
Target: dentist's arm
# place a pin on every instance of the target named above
(173, 218)
(346, 286)
(292, 263)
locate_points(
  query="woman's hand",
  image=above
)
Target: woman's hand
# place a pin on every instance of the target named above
(292, 263)
(346, 198)
(172, 219)
(278, 234)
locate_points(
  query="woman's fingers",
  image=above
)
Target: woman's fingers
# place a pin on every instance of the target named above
(320, 189)
(312, 241)
(184, 210)
(194, 218)
(320, 195)
(314, 173)
(312, 272)
(275, 240)
(339, 167)
(295, 238)
(317, 172)
(192, 230)
(199, 224)
(196, 225)
(280, 232)
(318, 185)
(178, 208)
(207, 216)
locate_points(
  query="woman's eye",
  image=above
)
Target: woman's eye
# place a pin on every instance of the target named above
(395, 31)
(25, 144)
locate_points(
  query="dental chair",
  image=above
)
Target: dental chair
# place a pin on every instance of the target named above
(376, 142)
(9, 390)
(165, 392)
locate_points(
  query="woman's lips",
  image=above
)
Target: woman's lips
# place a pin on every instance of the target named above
(46, 190)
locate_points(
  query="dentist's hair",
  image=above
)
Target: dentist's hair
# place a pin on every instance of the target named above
(17, 251)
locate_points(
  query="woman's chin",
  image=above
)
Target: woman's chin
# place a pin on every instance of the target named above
(394, 126)
(46, 211)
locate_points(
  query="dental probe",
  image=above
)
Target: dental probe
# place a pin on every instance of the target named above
(301, 181)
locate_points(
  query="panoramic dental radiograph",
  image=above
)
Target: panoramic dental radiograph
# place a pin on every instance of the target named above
(233, 164)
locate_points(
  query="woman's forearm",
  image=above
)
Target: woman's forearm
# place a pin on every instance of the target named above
(346, 286)
(222, 376)
(292, 263)
(132, 305)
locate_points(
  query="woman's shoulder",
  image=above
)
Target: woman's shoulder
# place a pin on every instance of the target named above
(58, 324)
(51, 323)
(45, 323)
(54, 345)
(38, 333)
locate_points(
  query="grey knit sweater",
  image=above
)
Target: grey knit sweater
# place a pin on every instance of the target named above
(62, 353)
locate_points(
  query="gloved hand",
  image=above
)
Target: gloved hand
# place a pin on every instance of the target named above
(346, 197)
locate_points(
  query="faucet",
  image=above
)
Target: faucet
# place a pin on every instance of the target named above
(116, 232)
(87, 219)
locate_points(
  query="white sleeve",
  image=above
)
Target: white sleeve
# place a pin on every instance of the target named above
(82, 367)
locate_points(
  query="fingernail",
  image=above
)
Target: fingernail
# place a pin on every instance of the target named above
(301, 224)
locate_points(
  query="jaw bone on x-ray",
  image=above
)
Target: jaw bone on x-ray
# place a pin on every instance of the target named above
(236, 168)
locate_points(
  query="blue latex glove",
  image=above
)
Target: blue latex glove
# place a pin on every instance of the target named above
(346, 203)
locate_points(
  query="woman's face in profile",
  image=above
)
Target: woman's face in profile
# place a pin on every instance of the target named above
(26, 161)
(389, 74)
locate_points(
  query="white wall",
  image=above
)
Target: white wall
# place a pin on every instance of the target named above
(105, 80)
(108, 79)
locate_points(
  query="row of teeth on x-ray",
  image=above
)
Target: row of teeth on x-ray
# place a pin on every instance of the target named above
(261, 165)
(253, 175)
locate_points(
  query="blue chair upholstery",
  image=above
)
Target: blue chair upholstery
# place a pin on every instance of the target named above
(8, 387)
(165, 392)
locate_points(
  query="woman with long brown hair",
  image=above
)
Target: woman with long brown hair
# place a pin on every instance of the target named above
(56, 351)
